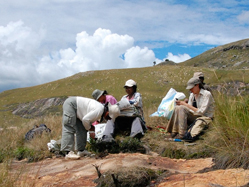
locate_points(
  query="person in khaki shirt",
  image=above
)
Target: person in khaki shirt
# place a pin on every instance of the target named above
(200, 75)
(201, 103)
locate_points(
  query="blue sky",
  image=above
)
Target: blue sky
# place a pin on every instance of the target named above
(46, 40)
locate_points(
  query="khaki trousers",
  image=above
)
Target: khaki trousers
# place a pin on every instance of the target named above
(180, 120)
(71, 126)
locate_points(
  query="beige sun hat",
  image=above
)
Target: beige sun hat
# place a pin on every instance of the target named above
(130, 83)
(192, 82)
(198, 74)
(97, 93)
(114, 111)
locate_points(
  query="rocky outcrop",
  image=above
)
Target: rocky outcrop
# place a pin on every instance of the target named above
(235, 88)
(39, 107)
(229, 56)
(171, 172)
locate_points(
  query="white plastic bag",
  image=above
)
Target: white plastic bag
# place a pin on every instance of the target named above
(99, 129)
(53, 145)
(167, 105)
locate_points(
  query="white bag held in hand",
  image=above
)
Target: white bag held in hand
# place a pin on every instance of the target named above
(99, 129)
(167, 105)
(53, 146)
(126, 109)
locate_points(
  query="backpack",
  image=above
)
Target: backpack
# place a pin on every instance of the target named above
(37, 130)
(196, 128)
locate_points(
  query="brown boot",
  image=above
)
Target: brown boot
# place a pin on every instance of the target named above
(173, 134)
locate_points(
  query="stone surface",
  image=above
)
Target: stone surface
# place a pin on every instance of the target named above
(61, 172)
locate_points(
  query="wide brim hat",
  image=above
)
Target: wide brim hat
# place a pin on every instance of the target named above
(192, 82)
(198, 74)
(97, 93)
(114, 111)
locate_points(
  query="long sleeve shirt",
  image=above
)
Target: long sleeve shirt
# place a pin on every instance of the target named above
(137, 102)
(88, 111)
(205, 103)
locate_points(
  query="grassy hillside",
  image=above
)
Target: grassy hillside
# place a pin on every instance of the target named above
(234, 55)
(153, 83)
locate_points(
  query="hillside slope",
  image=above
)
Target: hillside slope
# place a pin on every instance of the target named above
(234, 55)
(153, 83)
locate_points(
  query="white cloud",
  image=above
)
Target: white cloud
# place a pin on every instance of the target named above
(177, 58)
(18, 46)
(102, 50)
(244, 17)
(136, 25)
(137, 57)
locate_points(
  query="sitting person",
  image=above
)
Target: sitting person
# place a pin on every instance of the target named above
(103, 97)
(200, 75)
(201, 103)
(78, 114)
(135, 123)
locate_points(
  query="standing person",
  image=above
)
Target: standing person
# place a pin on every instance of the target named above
(103, 97)
(201, 103)
(136, 123)
(78, 114)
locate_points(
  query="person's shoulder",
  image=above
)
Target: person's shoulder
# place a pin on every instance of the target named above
(137, 94)
(110, 96)
(205, 92)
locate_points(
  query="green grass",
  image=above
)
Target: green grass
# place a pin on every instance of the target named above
(231, 132)
(226, 140)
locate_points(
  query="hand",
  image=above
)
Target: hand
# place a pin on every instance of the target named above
(92, 134)
(180, 102)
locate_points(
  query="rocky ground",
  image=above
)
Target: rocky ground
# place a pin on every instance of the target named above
(82, 172)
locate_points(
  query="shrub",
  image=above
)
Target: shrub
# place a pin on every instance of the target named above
(231, 128)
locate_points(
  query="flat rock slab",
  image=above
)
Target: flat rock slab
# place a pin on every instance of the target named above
(61, 172)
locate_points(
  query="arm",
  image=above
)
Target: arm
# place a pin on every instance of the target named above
(137, 100)
(187, 105)
(89, 118)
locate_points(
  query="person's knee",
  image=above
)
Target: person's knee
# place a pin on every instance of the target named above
(179, 108)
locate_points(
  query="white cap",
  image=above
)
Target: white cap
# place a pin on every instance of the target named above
(130, 83)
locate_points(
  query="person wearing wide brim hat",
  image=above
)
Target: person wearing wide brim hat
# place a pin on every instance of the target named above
(78, 115)
(103, 97)
(200, 103)
(200, 75)
(136, 122)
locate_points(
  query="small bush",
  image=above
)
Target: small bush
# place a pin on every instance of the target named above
(22, 152)
(133, 177)
(128, 144)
